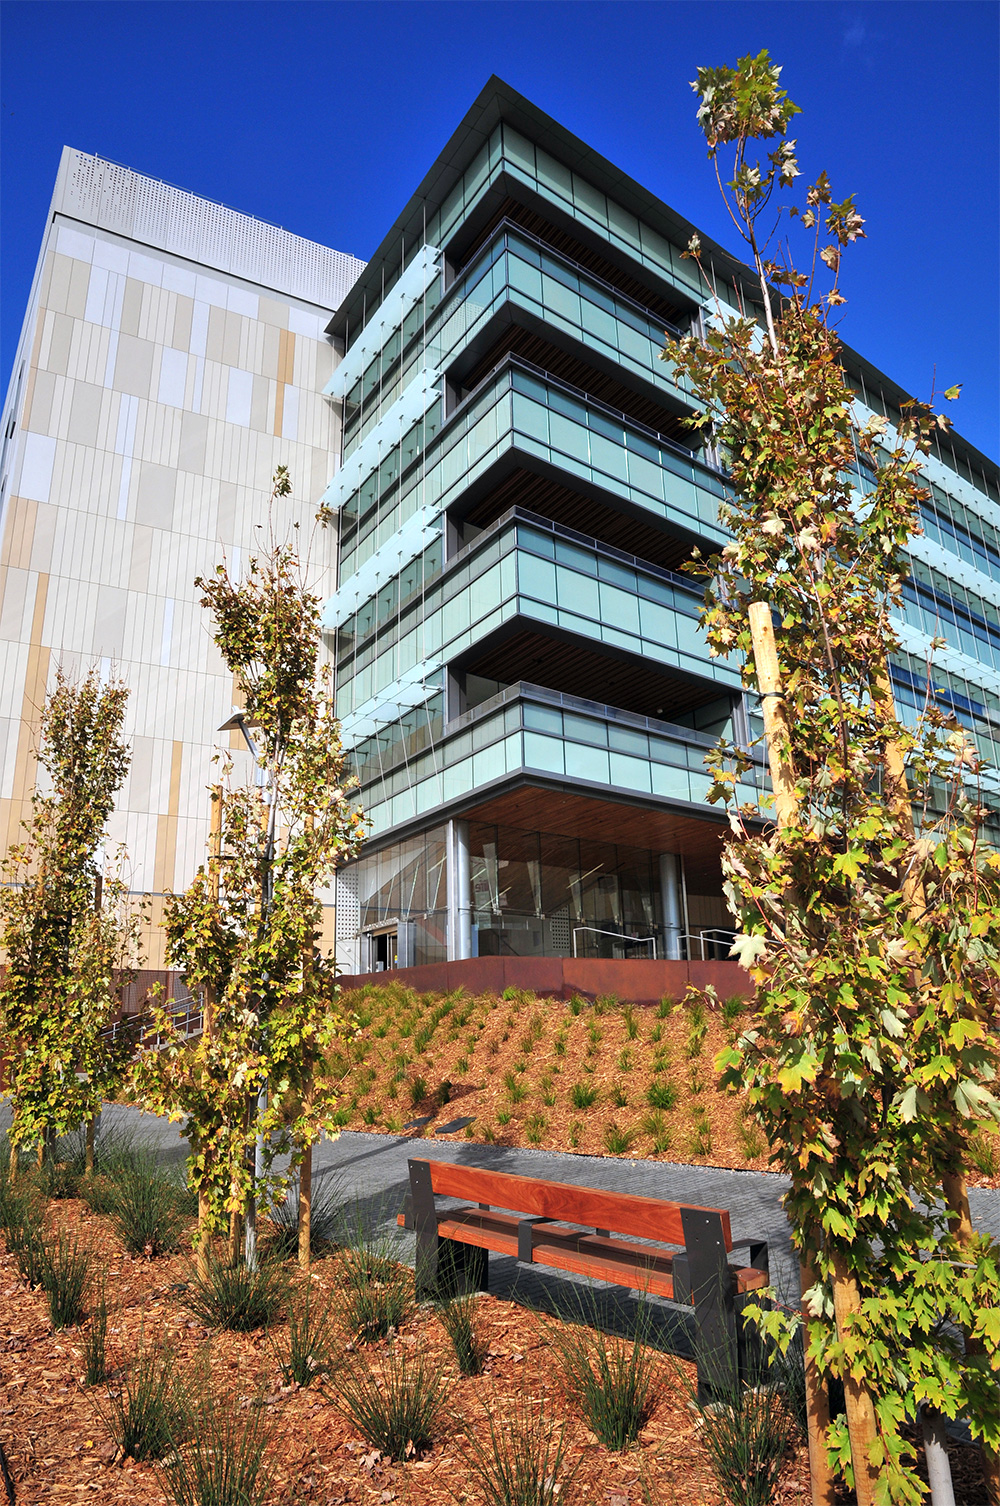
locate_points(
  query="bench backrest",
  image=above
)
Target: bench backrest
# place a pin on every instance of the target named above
(620, 1212)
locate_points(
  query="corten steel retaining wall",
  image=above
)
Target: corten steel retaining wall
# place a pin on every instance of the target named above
(639, 980)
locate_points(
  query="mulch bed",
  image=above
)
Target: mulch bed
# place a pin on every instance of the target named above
(60, 1450)
(483, 1043)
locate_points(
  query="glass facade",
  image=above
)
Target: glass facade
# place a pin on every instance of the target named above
(539, 895)
(530, 729)
(540, 573)
(526, 262)
(404, 885)
(533, 894)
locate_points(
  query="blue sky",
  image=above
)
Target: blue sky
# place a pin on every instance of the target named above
(322, 117)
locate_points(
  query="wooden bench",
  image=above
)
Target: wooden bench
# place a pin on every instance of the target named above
(572, 1228)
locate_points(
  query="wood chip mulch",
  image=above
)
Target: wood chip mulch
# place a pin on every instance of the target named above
(60, 1450)
(483, 1044)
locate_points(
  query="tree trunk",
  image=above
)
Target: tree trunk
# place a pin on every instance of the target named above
(214, 857)
(860, 1413)
(88, 1155)
(305, 1207)
(821, 1479)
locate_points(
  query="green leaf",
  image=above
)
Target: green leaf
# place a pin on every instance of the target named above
(849, 863)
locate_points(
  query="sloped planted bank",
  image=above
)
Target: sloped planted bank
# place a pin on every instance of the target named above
(601, 1078)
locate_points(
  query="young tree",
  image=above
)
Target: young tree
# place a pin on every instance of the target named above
(868, 910)
(68, 932)
(245, 931)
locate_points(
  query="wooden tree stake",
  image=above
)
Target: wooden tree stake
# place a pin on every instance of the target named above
(214, 873)
(821, 1482)
(860, 1413)
(305, 1207)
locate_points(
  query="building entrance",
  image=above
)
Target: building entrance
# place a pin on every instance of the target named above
(383, 951)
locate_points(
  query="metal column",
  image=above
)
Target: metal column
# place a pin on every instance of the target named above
(459, 892)
(670, 896)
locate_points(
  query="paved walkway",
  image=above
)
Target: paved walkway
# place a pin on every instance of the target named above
(366, 1174)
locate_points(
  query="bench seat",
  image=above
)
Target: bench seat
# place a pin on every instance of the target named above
(581, 1251)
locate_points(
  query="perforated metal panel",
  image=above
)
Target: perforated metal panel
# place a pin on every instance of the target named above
(144, 209)
(348, 908)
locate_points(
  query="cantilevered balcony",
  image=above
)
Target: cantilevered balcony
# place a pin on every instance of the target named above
(516, 277)
(524, 584)
(531, 733)
(523, 417)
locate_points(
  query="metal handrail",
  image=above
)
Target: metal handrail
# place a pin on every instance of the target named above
(187, 1019)
(716, 935)
(649, 941)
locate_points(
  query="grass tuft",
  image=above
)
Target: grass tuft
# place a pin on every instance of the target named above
(310, 1353)
(95, 1343)
(238, 1298)
(458, 1318)
(583, 1095)
(518, 1457)
(147, 1209)
(375, 1292)
(662, 1095)
(610, 1378)
(733, 1007)
(148, 1410)
(754, 1144)
(655, 1126)
(65, 1277)
(224, 1462)
(22, 1214)
(618, 1141)
(747, 1437)
(517, 1091)
(984, 1152)
(394, 1407)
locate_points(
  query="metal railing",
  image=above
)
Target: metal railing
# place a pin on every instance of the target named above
(187, 1016)
(715, 937)
(618, 936)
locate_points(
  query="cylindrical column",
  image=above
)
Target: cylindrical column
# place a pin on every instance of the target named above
(670, 896)
(459, 892)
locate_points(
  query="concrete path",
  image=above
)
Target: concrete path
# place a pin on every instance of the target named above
(365, 1176)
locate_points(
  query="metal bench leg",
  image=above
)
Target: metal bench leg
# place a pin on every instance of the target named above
(753, 1348)
(716, 1349)
(443, 1267)
(461, 1268)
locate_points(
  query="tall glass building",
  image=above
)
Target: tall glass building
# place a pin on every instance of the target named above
(521, 676)
(524, 689)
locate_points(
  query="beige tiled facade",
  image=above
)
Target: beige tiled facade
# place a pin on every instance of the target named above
(153, 395)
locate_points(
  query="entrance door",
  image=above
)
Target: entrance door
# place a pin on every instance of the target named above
(384, 952)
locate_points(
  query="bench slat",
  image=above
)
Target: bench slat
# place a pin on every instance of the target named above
(580, 1251)
(622, 1212)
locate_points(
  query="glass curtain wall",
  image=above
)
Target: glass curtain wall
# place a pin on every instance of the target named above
(534, 895)
(404, 887)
